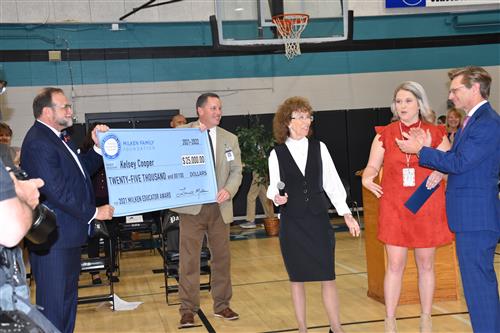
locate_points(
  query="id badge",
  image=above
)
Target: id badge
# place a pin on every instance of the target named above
(229, 155)
(408, 177)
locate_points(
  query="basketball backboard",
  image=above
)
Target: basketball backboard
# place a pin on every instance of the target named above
(249, 22)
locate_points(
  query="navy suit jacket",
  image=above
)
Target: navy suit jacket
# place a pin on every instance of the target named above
(66, 191)
(472, 165)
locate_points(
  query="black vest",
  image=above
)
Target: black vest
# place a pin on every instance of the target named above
(304, 192)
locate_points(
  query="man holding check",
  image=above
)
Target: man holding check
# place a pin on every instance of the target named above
(212, 219)
(68, 192)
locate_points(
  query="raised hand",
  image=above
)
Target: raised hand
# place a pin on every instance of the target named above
(423, 137)
(100, 128)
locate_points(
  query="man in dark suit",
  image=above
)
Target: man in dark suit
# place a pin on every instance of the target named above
(67, 191)
(212, 219)
(472, 201)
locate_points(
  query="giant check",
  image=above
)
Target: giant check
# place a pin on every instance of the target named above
(153, 169)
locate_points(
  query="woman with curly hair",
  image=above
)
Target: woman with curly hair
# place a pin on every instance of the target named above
(306, 236)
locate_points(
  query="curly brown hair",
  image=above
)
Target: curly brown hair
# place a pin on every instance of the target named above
(283, 116)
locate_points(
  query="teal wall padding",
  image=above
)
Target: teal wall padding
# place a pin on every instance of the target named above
(179, 69)
(76, 36)
(86, 36)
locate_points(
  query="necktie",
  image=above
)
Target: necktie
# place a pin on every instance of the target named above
(466, 120)
(211, 145)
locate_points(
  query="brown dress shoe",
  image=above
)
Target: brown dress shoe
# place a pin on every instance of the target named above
(187, 319)
(227, 314)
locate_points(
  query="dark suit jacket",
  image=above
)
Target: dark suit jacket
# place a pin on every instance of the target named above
(66, 190)
(472, 165)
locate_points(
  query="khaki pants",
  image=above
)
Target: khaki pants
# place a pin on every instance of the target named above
(258, 190)
(192, 230)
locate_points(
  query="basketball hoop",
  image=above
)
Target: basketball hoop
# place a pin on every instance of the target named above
(290, 26)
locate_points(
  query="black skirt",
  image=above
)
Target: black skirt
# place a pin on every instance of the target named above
(308, 247)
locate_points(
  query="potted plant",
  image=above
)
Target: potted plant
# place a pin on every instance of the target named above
(255, 144)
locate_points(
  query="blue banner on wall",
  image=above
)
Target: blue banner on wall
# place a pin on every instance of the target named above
(404, 3)
(154, 169)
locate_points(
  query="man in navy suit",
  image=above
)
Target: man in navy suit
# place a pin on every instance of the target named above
(67, 191)
(472, 202)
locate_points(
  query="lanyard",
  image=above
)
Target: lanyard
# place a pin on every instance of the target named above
(408, 156)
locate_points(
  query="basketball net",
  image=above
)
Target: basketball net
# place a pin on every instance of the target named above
(290, 27)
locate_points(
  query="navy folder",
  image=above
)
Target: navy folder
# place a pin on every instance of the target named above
(419, 197)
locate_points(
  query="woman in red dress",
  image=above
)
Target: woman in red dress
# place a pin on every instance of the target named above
(398, 228)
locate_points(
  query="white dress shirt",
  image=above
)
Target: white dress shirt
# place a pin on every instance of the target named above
(474, 109)
(331, 180)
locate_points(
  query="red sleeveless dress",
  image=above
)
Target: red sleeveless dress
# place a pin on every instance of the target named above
(396, 224)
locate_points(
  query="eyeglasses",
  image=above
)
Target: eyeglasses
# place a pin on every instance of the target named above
(64, 107)
(302, 118)
(454, 90)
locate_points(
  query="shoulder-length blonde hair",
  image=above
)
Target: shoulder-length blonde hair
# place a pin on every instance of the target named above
(283, 116)
(425, 112)
(458, 114)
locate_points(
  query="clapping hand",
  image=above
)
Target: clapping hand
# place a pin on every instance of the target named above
(423, 137)
(415, 140)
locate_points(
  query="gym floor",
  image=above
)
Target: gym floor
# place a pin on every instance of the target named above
(260, 295)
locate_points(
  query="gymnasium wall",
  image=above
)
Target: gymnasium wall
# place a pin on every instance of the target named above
(153, 66)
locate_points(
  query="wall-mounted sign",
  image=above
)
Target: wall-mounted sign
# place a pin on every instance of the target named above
(436, 3)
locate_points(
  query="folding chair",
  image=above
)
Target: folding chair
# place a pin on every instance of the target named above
(170, 253)
(145, 225)
(94, 265)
